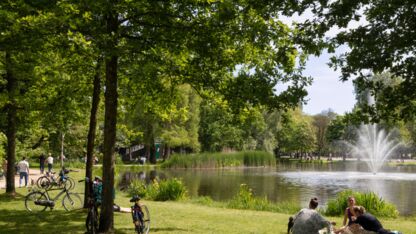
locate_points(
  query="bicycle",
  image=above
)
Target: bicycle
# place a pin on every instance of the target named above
(62, 180)
(140, 215)
(37, 201)
(91, 223)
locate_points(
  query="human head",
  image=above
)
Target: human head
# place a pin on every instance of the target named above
(358, 210)
(313, 203)
(49, 154)
(24, 158)
(97, 178)
(351, 201)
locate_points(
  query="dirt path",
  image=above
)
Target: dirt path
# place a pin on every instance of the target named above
(33, 176)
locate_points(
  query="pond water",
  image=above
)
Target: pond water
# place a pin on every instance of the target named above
(293, 182)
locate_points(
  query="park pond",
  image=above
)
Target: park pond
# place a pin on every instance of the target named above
(295, 182)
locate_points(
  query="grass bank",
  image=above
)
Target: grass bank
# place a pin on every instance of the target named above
(167, 217)
(217, 160)
(192, 216)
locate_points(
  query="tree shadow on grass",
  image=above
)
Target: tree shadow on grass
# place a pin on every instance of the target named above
(153, 230)
(56, 221)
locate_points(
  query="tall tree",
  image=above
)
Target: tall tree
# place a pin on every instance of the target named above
(383, 42)
(237, 49)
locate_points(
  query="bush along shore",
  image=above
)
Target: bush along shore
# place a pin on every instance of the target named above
(217, 160)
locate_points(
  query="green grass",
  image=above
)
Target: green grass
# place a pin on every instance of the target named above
(217, 160)
(192, 216)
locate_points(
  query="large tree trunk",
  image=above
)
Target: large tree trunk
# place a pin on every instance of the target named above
(106, 218)
(11, 126)
(107, 215)
(93, 126)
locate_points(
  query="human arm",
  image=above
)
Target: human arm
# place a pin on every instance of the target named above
(345, 217)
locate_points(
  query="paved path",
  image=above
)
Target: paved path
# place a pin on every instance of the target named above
(33, 175)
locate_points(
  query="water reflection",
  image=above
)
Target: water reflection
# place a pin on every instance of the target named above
(295, 182)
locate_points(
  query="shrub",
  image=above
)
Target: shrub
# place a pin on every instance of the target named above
(137, 187)
(370, 201)
(171, 189)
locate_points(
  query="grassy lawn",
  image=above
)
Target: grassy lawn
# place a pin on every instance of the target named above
(166, 217)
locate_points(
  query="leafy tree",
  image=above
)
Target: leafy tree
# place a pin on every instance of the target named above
(321, 122)
(296, 134)
(383, 42)
(237, 49)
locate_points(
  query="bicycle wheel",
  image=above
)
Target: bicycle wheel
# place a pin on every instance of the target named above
(92, 221)
(72, 201)
(43, 182)
(70, 183)
(31, 200)
(146, 219)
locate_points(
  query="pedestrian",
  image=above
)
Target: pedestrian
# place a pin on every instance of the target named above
(23, 171)
(42, 163)
(50, 162)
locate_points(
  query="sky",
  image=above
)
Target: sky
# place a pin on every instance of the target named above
(327, 91)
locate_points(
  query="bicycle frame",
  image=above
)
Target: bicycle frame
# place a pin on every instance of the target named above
(63, 191)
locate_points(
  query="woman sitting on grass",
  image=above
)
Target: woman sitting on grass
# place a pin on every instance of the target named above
(348, 215)
(365, 223)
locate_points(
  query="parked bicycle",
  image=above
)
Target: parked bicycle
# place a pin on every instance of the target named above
(91, 223)
(37, 201)
(140, 215)
(49, 181)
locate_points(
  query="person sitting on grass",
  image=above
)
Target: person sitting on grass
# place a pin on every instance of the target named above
(309, 221)
(348, 215)
(365, 223)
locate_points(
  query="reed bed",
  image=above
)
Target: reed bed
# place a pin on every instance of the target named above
(218, 160)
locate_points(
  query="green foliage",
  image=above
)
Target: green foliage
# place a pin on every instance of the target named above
(370, 201)
(137, 187)
(171, 190)
(245, 200)
(215, 160)
(165, 190)
(297, 133)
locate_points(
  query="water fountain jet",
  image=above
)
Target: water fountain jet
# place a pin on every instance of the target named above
(374, 146)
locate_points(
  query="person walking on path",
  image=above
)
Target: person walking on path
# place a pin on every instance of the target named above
(42, 163)
(23, 171)
(50, 162)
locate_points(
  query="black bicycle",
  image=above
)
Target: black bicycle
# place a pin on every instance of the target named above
(37, 200)
(49, 180)
(140, 215)
(91, 223)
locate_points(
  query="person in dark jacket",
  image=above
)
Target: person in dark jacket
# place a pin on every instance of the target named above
(367, 221)
(42, 163)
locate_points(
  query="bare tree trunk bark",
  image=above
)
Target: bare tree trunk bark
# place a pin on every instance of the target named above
(107, 216)
(111, 63)
(93, 126)
(11, 126)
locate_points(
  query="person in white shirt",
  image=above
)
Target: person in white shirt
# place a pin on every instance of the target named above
(23, 171)
(50, 162)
